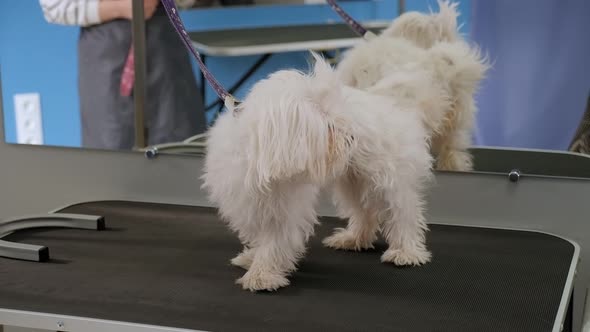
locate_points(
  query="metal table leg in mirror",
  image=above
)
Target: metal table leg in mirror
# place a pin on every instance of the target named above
(401, 6)
(139, 86)
(195, 145)
(200, 138)
(40, 253)
(232, 90)
(176, 148)
(586, 313)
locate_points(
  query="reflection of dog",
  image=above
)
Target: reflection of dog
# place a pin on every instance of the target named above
(415, 40)
(425, 30)
(296, 133)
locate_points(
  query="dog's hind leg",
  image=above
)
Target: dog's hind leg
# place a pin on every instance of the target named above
(249, 226)
(351, 203)
(288, 220)
(451, 147)
(458, 160)
(404, 225)
(452, 153)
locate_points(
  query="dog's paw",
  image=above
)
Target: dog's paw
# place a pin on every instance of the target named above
(262, 281)
(244, 259)
(404, 257)
(344, 239)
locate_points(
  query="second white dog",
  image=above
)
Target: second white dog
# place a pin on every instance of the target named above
(415, 40)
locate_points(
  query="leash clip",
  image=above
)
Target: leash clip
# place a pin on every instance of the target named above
(230, 103)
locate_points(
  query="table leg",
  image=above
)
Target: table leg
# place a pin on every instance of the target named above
(263, 59)
(139, 87)
(568, 324)
(586, 313)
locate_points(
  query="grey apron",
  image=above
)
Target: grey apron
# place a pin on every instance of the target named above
(174, 108)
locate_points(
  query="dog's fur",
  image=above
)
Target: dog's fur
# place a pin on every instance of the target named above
(425, 30)
(414, 40)
(297, 133)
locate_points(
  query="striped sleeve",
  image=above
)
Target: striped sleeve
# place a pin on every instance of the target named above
(71, 12)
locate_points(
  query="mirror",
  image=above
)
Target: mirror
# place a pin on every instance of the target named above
(62, 83)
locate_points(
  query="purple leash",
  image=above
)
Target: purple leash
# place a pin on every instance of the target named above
(172, 12)
(354, 25)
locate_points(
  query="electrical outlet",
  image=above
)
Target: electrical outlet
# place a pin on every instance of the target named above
(27, 109)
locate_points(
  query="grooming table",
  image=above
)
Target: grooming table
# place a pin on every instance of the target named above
(166, 268)
(266, 41)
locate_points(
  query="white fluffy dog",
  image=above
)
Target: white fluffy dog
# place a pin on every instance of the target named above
(412, 41)
(297, 133)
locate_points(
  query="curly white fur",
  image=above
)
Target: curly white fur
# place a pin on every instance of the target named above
(427, 29)
(296, 133)
(415, 44)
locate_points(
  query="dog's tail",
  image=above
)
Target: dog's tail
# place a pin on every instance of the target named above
(303, 134)
(426, 30)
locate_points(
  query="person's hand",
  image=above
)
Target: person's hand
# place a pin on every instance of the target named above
(149, 8)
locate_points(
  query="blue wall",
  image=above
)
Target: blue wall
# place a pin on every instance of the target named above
(536, 92)
(39, 57)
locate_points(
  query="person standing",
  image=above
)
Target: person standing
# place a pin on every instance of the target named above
(174, 108)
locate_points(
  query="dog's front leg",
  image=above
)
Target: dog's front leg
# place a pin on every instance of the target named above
(363, 223)
(454, 157)
(245, 258)
(274, 259)
(270, 267)
(451, 147)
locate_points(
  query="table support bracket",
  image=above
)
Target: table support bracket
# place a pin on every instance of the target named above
(37, 253)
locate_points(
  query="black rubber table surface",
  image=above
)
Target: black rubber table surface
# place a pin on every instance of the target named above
(168, 265)
(273, 35)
